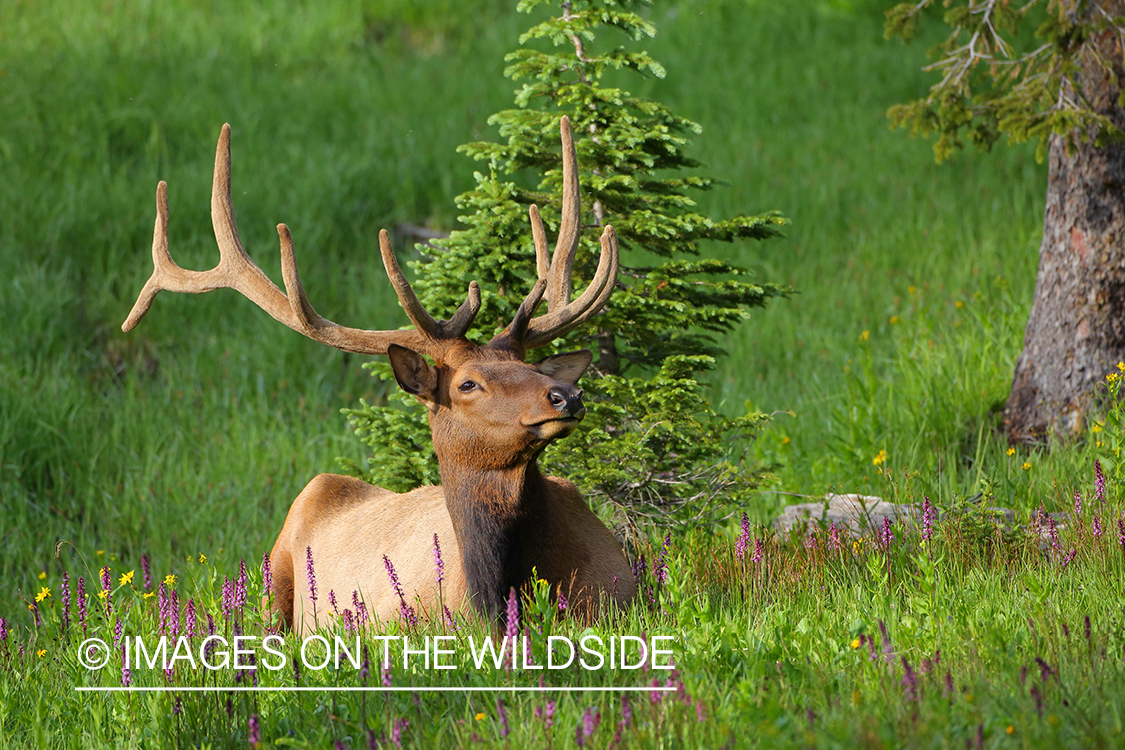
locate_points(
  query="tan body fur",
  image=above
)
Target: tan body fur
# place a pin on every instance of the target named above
(354, 524)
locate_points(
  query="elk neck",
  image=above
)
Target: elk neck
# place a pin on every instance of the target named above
(499, 517)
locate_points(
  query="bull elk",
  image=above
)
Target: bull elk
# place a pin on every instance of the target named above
(490, 415)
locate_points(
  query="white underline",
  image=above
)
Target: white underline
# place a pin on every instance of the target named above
(525, 689)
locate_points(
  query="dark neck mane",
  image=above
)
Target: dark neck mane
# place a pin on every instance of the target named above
(498, 517)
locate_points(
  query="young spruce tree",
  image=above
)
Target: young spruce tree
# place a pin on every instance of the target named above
(651, 444)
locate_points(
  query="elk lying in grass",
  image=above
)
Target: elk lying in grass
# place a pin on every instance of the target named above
(490, 414)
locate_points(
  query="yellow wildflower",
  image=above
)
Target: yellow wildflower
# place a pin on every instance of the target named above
(103, 594)
(41, 653)
(958, 304)
(785, 440)
(1112, 378)
(864, 336)
(880, 457)
(127, 578)
(911, 289)
(101, 552)
(42, 575)
(1011, 451)
(202, 559)
(1121, 366)
(855, 643)
(1026, 465)
(894, 319)
(170, 580)
(1010, 729)
(480, 716)
(43, 594)
(150, 594)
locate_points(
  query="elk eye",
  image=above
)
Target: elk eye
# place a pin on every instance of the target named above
(467, 386)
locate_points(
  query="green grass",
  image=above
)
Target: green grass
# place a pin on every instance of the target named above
(194, 432)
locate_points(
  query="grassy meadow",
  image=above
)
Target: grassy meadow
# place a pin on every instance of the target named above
(186, 440)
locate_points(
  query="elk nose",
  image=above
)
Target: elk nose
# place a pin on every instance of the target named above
(567, 399)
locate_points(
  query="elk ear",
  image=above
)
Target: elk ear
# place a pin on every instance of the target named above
(567, 367)
(414, 374)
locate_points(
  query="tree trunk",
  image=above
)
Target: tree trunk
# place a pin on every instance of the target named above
(1076, 332)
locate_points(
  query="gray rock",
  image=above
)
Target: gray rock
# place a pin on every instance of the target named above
(857, 514)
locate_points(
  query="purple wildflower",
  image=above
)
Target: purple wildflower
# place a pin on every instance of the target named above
(65, 600)
(449, 617)
(405, 609)
(81, 596)
(267, 574)
(439, 564)
(387, 674)
(810, 541)
(743, 540)
(189, 618)
(1045, 669)
(660, 567)
(586, 727)
(1099, 482)
(312, 576)
(396, 733)
(886, 536)
(504, 730)
(834, 543)
(1053, 533)
(240, 586)
(365, 669)
(145, 569)
(639, 568)
(253, 731)
(174, 614)
(117, 633)
(1088, 629)
(1077, 503)
(929, 516)
(35, 613)
(947, 691)
(563, 603)
(107, 587)
(888, 650)
(177, 707)
(332, 601)
(1121, 533)
(126, 674)
(227, 602)
(909, 682)
(361, 617)
(3, 629)
(549, 715)
(759, 552)
(513, 616)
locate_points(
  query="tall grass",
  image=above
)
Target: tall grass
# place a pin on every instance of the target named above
(194, 432)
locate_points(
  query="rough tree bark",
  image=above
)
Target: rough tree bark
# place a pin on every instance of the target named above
(1076, 331)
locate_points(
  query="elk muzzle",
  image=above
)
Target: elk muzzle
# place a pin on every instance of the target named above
(567, 401)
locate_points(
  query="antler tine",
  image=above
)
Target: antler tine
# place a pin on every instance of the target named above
(544, 329)
(458, 325)
(542, 259)
(418, 315)
(558, 286)
(518, 328)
